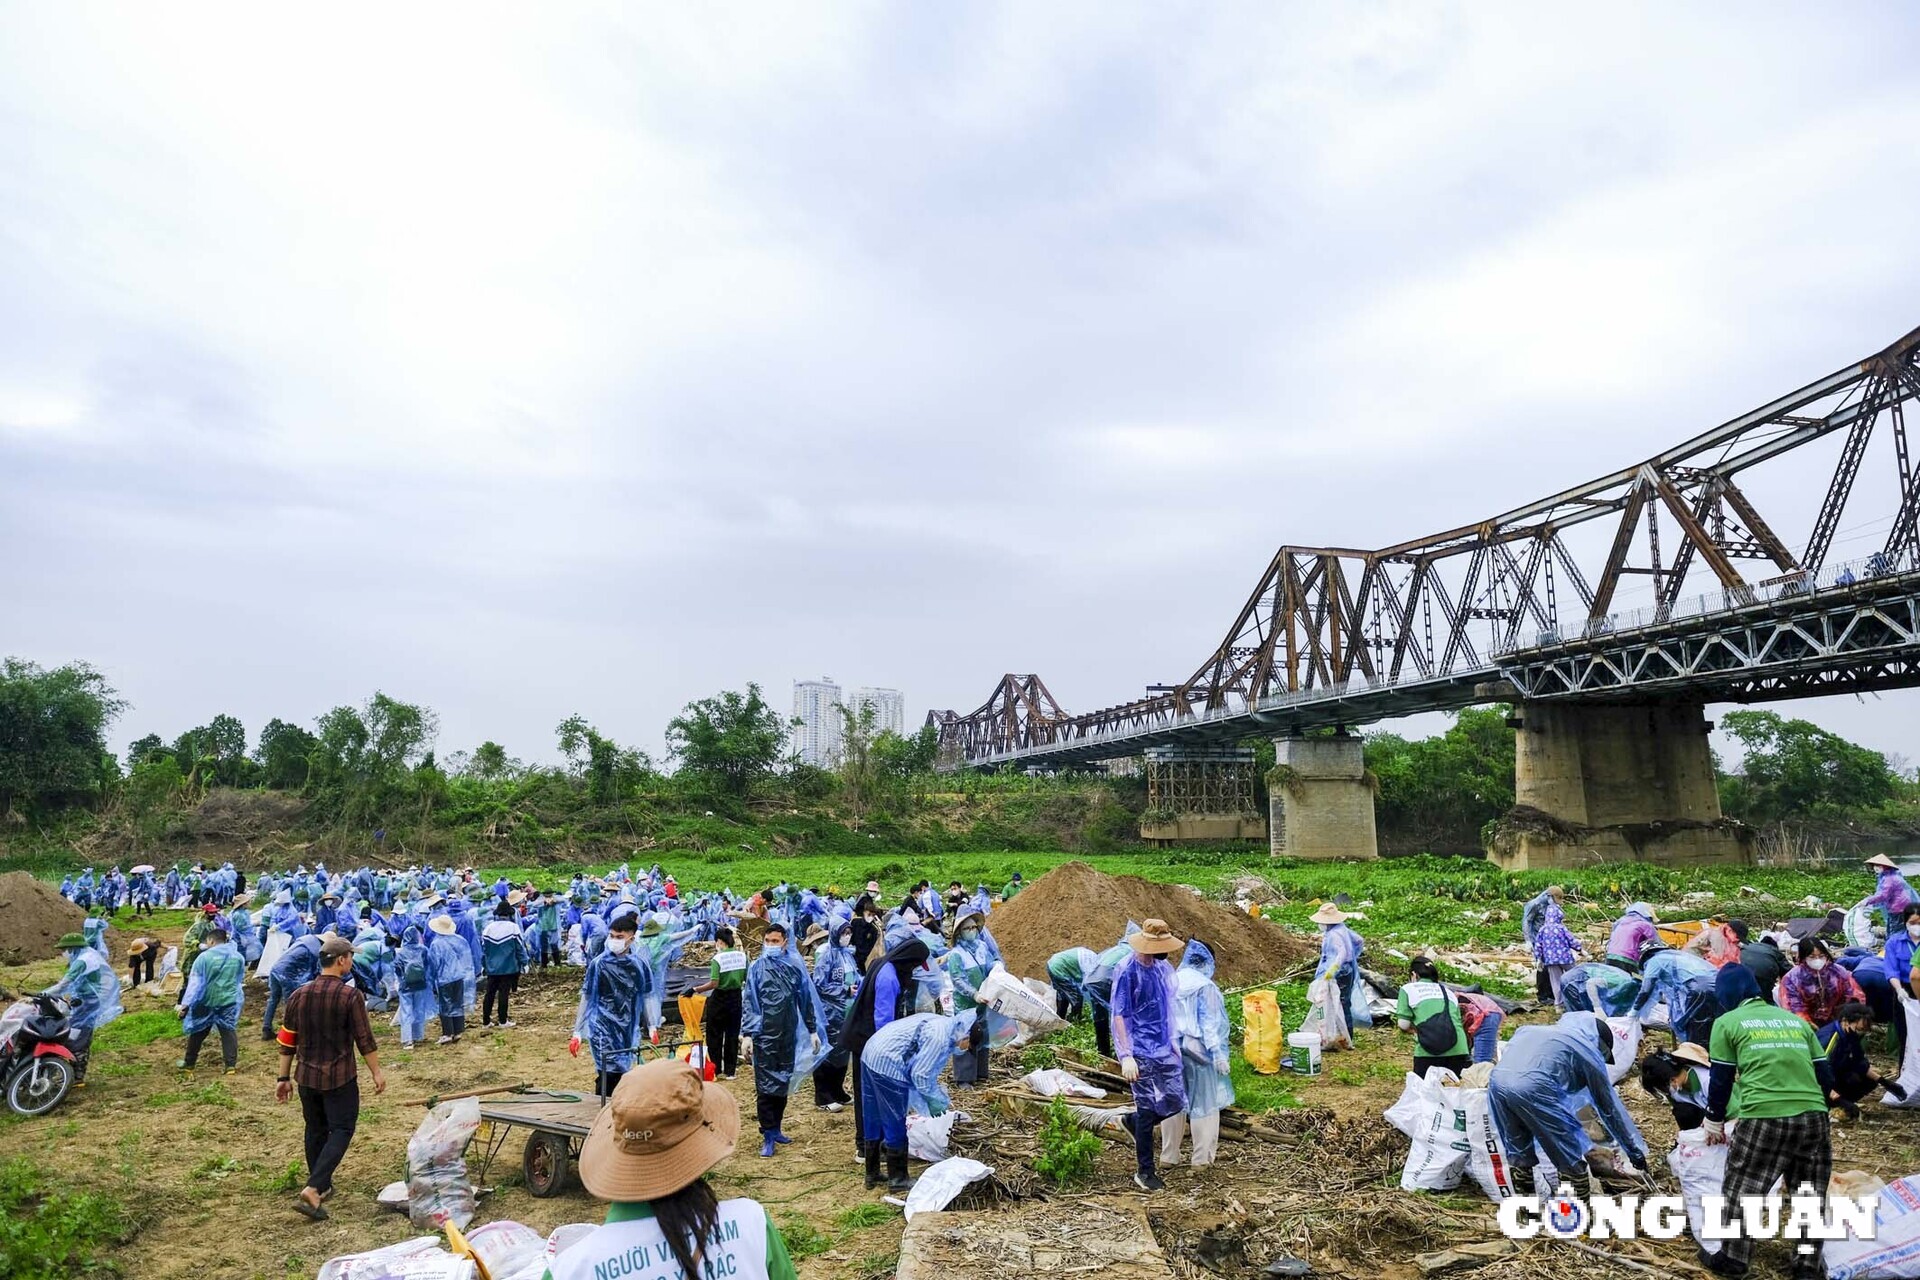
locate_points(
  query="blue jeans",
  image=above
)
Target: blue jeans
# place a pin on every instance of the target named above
(276, 992)
(1486, 1040)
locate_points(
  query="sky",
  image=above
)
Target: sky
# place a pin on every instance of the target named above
(530, 360)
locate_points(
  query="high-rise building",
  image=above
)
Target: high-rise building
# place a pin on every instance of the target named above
(816, 705)
(889, 709)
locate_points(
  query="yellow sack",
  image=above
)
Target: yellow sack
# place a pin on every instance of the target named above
(1263, 1039)
(693, 1015)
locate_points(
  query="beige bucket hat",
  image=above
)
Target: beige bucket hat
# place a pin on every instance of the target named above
(1155, 939)
(442, 924)
(660, 1131)
(1328, 914)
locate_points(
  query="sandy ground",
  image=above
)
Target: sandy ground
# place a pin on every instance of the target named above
(199, 1161)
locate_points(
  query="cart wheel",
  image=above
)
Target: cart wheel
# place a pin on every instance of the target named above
(546, 1164)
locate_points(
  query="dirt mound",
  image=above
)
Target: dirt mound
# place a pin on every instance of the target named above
(1075, 906)
(33, 915)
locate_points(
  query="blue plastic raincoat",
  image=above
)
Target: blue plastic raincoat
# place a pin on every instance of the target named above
(450, 969)
(781, 1014)
(1143, 1031)
(1535, 1092)
(838, 982)
(658, 952)
(1200, 1022)
(214, 990)
(416, 986)
(1617, 989)
(92, 989)
(613, 1002)
(901, 1064)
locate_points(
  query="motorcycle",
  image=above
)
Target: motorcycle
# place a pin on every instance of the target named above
(36, 1066)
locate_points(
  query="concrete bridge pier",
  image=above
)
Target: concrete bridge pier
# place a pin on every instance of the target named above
(1320, 800)
(1615, 782)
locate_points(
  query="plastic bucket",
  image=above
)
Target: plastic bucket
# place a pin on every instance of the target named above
(1306, 1058)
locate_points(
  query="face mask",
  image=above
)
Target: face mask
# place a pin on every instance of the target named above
(617, 945)
(968, 935)
(1913, 931)
(1816, 964)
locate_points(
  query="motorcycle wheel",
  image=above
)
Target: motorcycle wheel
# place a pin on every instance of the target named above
(39, 1086)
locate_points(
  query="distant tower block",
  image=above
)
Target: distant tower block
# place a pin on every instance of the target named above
(1320, 800)
(1201, 793)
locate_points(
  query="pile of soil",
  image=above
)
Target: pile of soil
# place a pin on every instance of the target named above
(33, 915)
(1075, 906)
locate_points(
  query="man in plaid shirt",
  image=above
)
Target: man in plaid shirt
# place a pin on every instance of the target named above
(324, 1022)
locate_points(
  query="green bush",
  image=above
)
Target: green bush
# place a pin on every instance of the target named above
(48, 1233)
(1067, 1152)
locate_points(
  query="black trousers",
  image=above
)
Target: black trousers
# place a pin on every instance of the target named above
(770, 1109)
(452, 994)
(229, 1046)
(859, 1129)
(331, 1116)
(970, 1064)
(1454, 1062)
(723, 1031)
(830, 1081)
(604, 1082)
(503, 985)
(140, 968)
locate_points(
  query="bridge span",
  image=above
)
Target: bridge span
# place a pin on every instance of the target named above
(1525, 607)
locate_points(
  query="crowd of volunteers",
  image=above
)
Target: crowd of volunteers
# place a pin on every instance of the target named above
(870, 1002)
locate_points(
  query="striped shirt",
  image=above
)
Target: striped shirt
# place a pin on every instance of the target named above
(912, 1051)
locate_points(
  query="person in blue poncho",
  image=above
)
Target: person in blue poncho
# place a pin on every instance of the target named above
(92, 991)
(658, 947)
(782, 1017)
(904, 1059)
(416, 987)
(885, 995)
(1615, 988)
(245, 937)
(612, 1016)
(967, 967)
(1098, 988)
(1144, 1038)
(212, 1000)
(838, 982)
(451, 970)
(1545, 1076)
(463, 924)
(1200, 1024)
(296, 967)
(1685, 982)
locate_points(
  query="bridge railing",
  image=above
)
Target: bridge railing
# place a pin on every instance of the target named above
(1785, 587)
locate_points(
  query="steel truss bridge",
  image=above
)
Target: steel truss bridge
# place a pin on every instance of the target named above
(1522, 605)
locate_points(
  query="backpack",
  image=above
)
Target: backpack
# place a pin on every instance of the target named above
(414, 978)
(1436, 1032)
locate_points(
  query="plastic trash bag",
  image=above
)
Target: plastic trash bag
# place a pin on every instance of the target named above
(1626, 1047)
(928, 1136)
(1261, 1036)
(937, 1187)
(1858, 927)
(393, 1196)
(1326, 1016)
(1894, 1252)
(1428, 1112)
(1702, 1170)
(169, 964)
(438, 1188)
(421, 1258)
(509, 1250)
(565, 1236)
(1054, 1082)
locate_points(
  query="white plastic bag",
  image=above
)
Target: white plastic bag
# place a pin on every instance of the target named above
(421, 1258)
(1894, 1252)
(169, 963)
(1326, 1016)
(1858, 926)
(1053, 1082)
(1702, 1170)
(1427, 1112)
(1011, 998)
(1626, 1046)
(1910, 1058)
(510, 1250)
(928, 1136)
(438, 1188)
(937, 1187)
(277, 944)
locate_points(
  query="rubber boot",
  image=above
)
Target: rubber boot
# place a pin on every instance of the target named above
(873, 1165)
(897, 1180)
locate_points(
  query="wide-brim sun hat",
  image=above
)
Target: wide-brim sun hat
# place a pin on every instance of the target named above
(242, 899)
(975, 917)
(1694, 1053)
(814, 936)
(515, 898)
(442, 924)
(139, 947)
(660, 1131)
(1328, 914)
(1882, 860)
(1155, 939)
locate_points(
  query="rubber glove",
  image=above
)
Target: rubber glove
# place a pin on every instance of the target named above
(1638, 1160)
(1129, 1070)
(1716, 1131)
(1221, 1066)
(573, 1046)
(1897, 1091)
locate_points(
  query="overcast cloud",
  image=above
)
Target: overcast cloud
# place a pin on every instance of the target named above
(529, 360)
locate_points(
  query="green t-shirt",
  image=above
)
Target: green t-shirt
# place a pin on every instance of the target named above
(729, 970)
(1420, 1000)
(1013, 887)
(1773, 1050)
(779, 1264)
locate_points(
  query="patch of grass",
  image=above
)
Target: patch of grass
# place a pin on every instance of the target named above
(216, 1167)
(804, 1240)
(209, 1095)
(291, 1178)
(48, 1232)
(1067, 1152)
(874, 1266)
(131, 1030)
(862, 1216)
